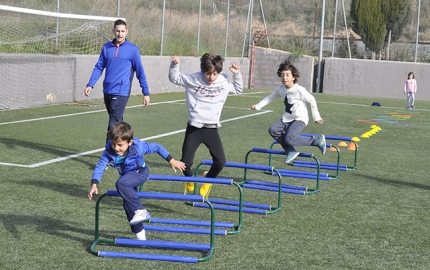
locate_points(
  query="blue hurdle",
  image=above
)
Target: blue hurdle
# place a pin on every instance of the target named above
(207, 248)
(318, 176)
(327, 166)
(247, 206)
(217, 181)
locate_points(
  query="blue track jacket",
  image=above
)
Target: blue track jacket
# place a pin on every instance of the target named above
(133, 161)
(120, 63)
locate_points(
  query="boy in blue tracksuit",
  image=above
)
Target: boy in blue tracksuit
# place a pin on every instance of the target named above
(120, 59)
(125, 153)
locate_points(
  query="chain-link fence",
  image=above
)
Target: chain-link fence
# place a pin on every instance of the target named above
(191, 27)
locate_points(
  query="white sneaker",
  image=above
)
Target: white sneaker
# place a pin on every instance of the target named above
(141, 235)
(140, 216)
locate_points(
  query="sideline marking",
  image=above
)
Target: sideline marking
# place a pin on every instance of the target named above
(35, 165)
(364, 105)
(103, 110)
(81, 113)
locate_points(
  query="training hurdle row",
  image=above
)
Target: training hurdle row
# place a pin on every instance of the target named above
(206, 248)
(248, 207)
(318, 176)
(326, 166)
(279, 187)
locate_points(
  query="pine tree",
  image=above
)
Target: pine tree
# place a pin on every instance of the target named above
(379, 22)
(369, 23)
(397, 14)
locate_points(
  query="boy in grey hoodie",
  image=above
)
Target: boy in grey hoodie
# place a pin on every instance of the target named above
(206, 93)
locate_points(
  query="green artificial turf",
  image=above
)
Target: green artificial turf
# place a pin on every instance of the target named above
(373, 217)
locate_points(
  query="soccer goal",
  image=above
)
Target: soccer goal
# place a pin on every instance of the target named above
(37, 45)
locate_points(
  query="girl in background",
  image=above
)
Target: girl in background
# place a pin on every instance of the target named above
(410, 90)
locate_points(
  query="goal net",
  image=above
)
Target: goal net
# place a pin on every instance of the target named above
(38, 54)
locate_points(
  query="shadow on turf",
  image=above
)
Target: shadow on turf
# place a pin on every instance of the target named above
(45, 225)
(80, 193)
(55, 150)
(394, 182)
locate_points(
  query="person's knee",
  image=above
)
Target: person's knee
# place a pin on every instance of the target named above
(289, 139)
(272, 131)
(219, 164)
(188, 172)
(119, 186)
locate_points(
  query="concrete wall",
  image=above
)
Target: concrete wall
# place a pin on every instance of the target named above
(372, 78)
(267, 63)
(156, 69)
(32, 80)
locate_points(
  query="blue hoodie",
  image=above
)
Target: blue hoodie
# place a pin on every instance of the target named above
(133, 161)
(120, 62)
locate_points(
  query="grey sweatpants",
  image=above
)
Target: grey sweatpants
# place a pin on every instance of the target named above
(288, 135)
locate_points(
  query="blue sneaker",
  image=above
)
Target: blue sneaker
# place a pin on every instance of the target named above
(320, 142)
(291, 156)
(140, 216)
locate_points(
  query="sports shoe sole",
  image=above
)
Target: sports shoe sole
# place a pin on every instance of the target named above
(292, 158)
(134, 222)
(325, 145)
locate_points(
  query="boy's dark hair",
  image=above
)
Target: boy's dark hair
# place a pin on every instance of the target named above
(119, 22)
(121, 130)
(288, 65)
(210, 62)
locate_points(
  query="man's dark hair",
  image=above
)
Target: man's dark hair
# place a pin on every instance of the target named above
(119, 22)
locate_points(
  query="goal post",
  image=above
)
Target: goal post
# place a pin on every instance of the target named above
(58, 14)
(40, 55)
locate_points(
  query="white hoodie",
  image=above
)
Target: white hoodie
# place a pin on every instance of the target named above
(297, 96)
(204, 101)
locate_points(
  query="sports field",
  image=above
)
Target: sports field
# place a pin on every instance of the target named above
(373, 217)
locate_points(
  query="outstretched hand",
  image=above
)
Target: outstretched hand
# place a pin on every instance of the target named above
(146, 101)
(234, 68)
(93, 190)
(176, 164)
(320, 122)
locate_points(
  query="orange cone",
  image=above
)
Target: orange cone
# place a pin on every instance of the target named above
(351, 147)
(332, 149)
(342, 143)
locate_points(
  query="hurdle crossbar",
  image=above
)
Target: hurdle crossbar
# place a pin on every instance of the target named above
(217, 181)
(290, 173)
(246, 167)
(209, 248)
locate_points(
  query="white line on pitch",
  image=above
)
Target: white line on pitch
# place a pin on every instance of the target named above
(96, 111)
(35, 165)
(366, 105)
(80, 113)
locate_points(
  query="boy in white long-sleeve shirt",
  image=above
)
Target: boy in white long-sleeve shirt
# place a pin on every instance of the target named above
(286, 131)
(206, 93)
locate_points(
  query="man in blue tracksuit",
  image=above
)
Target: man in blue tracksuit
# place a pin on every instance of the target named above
(120, 59)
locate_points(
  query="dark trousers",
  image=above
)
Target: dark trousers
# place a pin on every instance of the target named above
(288, 135)
(127, 186)
(209, 137)
(115, 106)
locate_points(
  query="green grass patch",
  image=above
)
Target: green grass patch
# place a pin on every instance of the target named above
(375, 217)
